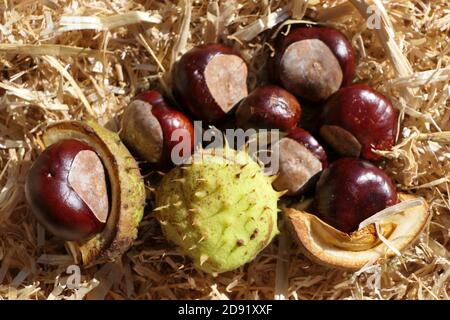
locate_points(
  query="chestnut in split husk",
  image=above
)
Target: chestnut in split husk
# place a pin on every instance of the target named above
(269, 107)
(313, 63)
(67, 190)
(351, 190)
(86, 188)
(328, 246)
(209, 80)
(359, 219)
(301, 159)
(357, 120)
(153, 129)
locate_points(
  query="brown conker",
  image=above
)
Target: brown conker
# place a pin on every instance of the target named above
(357, 120)
(66, 189)
(301, 159)
(268, 107)
(209, 80)
(313, 62)
(307, 139)
(351, 190)
(154, 130)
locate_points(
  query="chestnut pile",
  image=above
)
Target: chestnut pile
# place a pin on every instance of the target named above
(86, 187)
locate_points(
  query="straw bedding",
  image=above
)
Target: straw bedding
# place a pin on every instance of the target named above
(74, 59)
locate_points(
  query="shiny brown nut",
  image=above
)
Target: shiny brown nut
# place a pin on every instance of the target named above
(153, 129)
(66, 189)
(313, 63)
(351, 190)
(269, 107)
(301, 159)
(209, 80)
(305, 138)
(357, 120)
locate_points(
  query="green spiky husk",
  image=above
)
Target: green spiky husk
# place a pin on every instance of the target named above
(221, 210)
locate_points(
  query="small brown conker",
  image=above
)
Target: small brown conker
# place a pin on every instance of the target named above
(154, 130)
(268, 107)
(357, 120)
(301, 159)
(209, 80)
(313, 62)
(351, 190)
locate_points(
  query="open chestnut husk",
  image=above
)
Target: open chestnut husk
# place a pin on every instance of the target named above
(268, 107)
(155, 131)
(357, 120)
(333, 248)
(62, 203)
(301, 159)
(313, 62)
(209, 80)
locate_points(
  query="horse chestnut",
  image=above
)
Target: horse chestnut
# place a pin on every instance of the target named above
(154, 130)
(269, 107)
(313, 63)
(306, 139)
(66, 189)
(301, 159)
(209, 80)
(351, 190)
(357, 120)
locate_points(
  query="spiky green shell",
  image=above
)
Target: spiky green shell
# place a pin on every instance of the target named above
(221, 210)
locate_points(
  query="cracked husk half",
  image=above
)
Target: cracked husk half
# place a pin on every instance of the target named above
(127, 191)
(328, 246)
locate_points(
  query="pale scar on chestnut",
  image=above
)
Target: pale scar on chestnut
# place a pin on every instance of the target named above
(309, 68)
(142, 130)
(226, 78)
(341, 140)
(297, 166)
(87, 178)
